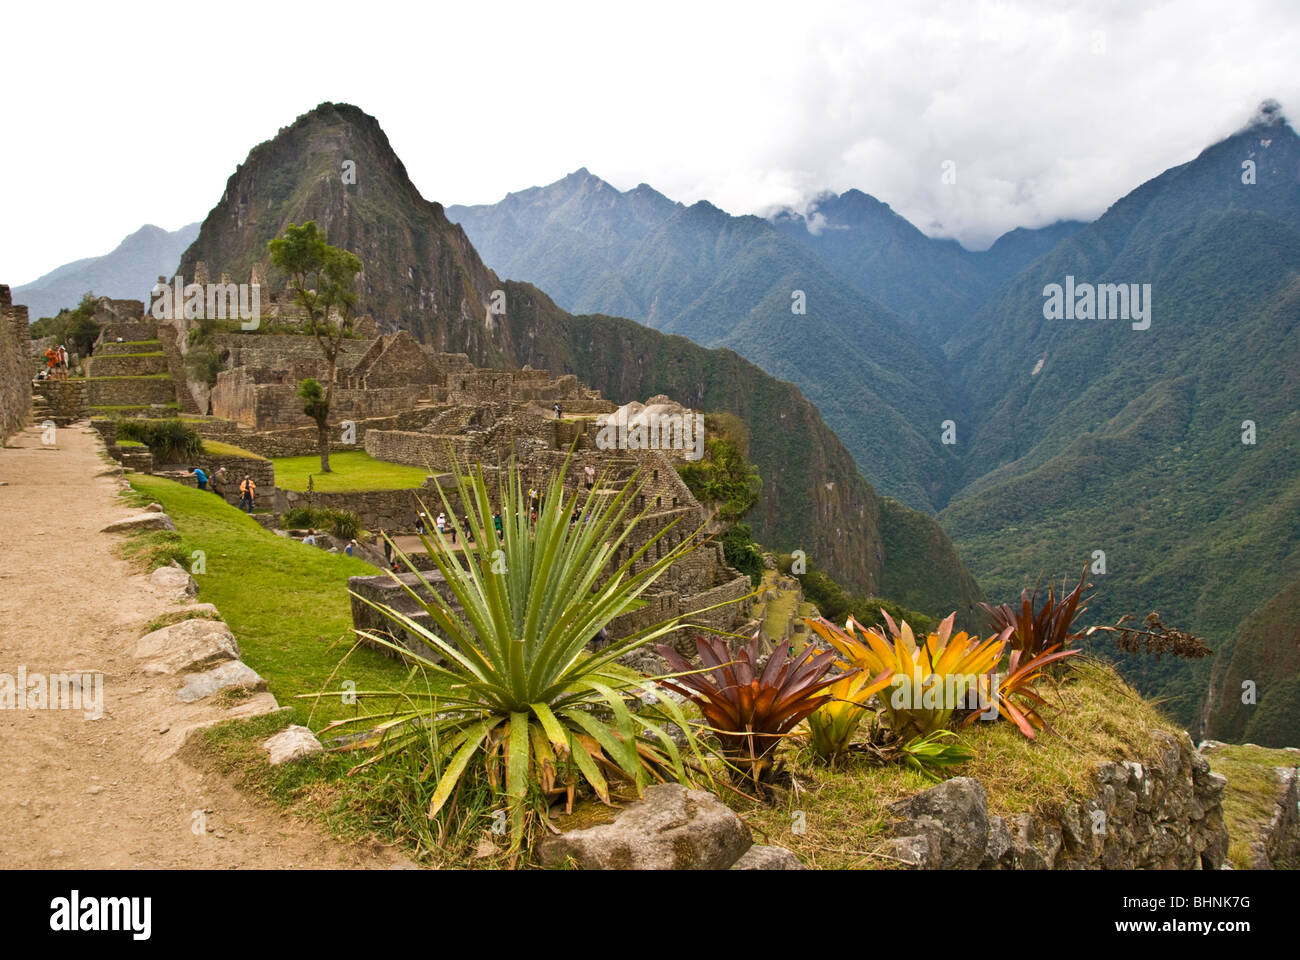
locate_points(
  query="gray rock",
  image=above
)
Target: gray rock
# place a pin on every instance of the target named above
(228, 676)
(141, 521)
(915, 851)
(291, 743)
(672, 828)
(960, 806)
(187, 645)
(174, 579)
(999, 845)
(759, 857)
(154, 508)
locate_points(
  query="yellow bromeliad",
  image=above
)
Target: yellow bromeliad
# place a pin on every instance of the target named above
(929, 680)
(833, 724)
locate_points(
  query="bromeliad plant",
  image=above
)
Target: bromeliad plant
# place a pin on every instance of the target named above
(1036, 629)
(929, 680)
(832, 725)
(749, 709)
(517, 696)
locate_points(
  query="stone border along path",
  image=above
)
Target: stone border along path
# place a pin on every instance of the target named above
(111, 792)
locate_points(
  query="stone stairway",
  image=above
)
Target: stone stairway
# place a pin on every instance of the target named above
(39, 412)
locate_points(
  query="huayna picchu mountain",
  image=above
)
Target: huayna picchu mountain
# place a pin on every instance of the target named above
(422, 274)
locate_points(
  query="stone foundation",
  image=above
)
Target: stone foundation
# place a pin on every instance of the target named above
(1164, 813)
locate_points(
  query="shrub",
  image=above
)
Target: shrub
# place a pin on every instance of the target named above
(343, 524)
(170, 441)
(742, 552)
(527, 707)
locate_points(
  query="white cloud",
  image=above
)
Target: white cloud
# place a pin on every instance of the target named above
(124, 114)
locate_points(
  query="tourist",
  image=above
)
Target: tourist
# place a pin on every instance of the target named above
(247, 493)
(419, 523)
(348, 548)
(200, 477)
(388, 551)
(310, 539)
(590, 473)
(469, 531)
(496, 522)
(557, 410)
(532, 499)
(219, 482)
(442, 523)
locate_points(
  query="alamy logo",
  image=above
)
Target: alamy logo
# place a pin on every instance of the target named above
(74, 913)
(55, 691)
(208, 301)
(652, 431)
(1104, 301)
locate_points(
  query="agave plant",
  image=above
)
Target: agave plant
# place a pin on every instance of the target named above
(1036, 628)
(929, 680)
(833, 724)
(517, 694)
(748, 708)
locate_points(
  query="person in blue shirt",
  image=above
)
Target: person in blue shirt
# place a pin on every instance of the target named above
(200, 477)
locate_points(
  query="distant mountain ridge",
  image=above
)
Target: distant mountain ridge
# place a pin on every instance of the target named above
(127, 273)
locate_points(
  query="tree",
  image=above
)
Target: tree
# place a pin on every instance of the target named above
(316, 406)
(73, 328)
(321, 278)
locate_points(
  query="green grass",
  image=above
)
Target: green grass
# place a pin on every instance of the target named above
(123, 407)
(130, 443)
(1251, 794)
(350, 471)
(286, 603)
(216, 448)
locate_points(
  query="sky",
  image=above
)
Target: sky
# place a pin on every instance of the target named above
(117, 115)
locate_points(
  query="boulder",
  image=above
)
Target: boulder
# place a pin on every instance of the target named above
(960, 806)
(140, 521)
(188, 645)
(231, 675)
(174, 580)
(672, 828)
(760, 857)
(291, 743)
(915, 851)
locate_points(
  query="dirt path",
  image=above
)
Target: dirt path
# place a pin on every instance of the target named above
(78, 792)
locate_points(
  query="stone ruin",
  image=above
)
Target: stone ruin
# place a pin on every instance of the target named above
(402, 402)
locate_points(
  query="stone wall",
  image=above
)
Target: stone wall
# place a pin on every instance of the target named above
(383, 589)
(391, 511)
(240, 395)
(421, 449)
(15, 366)
(67, 399)
(130, 391)
(1163, 813)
